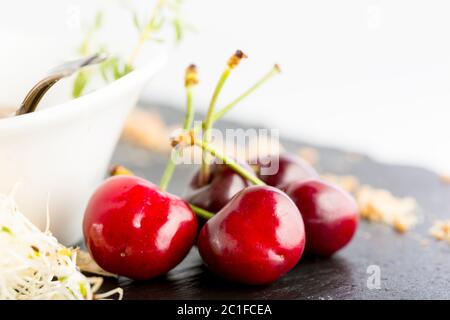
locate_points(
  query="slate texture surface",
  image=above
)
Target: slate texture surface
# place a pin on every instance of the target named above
(412, 265)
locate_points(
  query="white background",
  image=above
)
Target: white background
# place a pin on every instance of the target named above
(370, 76)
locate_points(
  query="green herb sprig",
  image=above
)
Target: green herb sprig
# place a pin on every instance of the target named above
(83, 76)
(165, 14)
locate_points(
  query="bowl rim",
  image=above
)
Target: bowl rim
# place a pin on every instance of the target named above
(138, 77)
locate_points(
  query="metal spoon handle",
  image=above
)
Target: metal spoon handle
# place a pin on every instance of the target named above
(34, 96)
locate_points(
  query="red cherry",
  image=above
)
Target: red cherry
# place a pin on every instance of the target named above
(223, 184)
(330, 215)
(290, 169)
(254, 239)
(212, 196)
(134, 229)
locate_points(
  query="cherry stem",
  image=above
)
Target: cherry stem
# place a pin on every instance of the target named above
(227, 108)
(168, 172)
(201, 212)
(275, 70)
(233, 62)
(229, 162)
(190, 80)
(189, 118)
(207, 124)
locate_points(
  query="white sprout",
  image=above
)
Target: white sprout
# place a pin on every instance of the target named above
(34, 265)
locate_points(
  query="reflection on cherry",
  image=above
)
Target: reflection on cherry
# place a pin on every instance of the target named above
(222, 185)
(132, 228)
(330, 215)
(255, 239)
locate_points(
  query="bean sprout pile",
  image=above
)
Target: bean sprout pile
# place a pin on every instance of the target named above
(34, 265)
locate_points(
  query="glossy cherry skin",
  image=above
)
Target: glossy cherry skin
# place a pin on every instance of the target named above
(254, 239)
(290, 169)
(330, 215)
(222, 185)
(134, 229)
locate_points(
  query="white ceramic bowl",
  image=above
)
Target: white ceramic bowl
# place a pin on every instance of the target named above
(58, 155)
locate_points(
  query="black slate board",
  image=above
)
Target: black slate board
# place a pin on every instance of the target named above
(410, 268)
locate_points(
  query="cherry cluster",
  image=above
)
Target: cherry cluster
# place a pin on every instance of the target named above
(249, 227)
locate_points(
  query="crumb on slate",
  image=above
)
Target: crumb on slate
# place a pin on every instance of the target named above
(440, 230)
(380, 205)
(146, 129)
